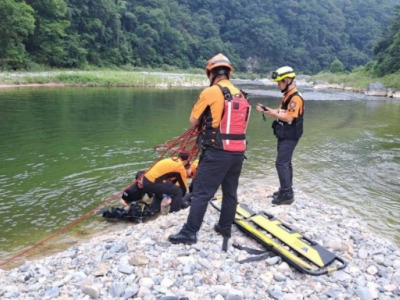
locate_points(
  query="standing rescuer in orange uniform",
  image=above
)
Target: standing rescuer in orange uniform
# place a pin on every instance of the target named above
(288, 128)
(223, 112)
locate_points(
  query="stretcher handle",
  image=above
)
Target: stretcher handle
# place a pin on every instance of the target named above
(320, 272)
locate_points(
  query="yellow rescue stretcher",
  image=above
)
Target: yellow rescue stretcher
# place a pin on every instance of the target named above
(305, 255)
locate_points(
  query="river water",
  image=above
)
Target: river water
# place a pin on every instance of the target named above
(64, 151)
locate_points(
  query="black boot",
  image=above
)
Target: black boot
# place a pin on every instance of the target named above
(183, 237)
(283, 198)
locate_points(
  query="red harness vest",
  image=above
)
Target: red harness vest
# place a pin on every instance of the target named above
(231, 133)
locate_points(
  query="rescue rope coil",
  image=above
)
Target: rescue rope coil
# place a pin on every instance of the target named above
(187, 142)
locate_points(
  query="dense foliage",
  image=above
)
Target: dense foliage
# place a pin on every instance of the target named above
(388, 49)
(257, 35)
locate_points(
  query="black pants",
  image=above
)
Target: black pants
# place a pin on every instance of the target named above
(215, 168)
(160, 188)
(283, 163)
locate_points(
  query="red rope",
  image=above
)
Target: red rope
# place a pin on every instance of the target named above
(65, 228)
(186, 142)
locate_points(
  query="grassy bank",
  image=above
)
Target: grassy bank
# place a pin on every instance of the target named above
(358, 79)
(110, 78)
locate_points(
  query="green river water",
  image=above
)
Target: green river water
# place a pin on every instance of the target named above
(64, 151)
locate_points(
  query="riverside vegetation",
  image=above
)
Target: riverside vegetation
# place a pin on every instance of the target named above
(109, 78)
(357, 80)
(184, 34)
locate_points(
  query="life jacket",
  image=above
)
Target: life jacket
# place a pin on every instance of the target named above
(230, 135)
(293, 130)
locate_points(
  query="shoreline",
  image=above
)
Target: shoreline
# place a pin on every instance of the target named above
(175, 80)
(6, 86)
(387, 93)
(137, 261)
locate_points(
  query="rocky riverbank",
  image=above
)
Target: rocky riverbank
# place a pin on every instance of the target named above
(162, 80)
(373, 89)
(137, 261)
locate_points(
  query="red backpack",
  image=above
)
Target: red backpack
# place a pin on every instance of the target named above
(232, 129)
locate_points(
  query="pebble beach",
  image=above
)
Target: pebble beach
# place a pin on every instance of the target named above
(137, 261)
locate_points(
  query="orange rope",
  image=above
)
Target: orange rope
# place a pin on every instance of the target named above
(186, 142)
(65, 228)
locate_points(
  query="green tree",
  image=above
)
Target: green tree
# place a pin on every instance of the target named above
(46, 45)
(387, 50)
(16, 24)
(336, 66)
(96, 30)
(257, 35)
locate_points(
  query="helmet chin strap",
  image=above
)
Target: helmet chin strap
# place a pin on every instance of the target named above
(287, 86)
(215, 76)
(213, 79)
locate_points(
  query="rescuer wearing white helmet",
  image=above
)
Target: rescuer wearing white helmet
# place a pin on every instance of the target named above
(288, 128)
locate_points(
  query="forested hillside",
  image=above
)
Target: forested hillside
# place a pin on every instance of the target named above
(257, 35)
(387, 51)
